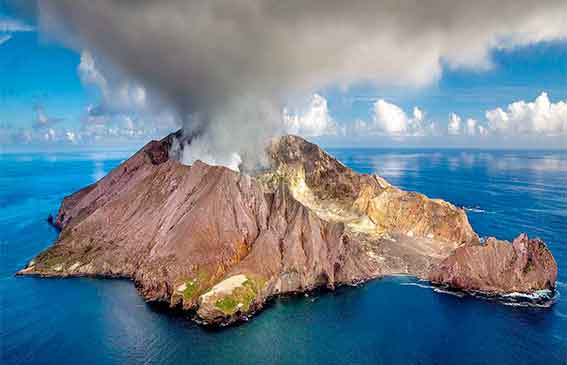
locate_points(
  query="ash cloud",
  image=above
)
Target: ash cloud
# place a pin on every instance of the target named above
(229, 67)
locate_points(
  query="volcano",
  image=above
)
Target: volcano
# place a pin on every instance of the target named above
(219, 243)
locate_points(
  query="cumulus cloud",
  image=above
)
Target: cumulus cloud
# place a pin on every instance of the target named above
(474, 128)
(470, 127)
(315, 121)
(389, 119)
(540, 117)
(209, 58)
(392, 120)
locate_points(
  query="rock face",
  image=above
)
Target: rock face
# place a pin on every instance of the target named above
(220, 243)
(497, 266)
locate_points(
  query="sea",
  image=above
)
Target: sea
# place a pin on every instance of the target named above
(397, 320)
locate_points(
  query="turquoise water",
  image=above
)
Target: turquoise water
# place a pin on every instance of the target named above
(390, 321)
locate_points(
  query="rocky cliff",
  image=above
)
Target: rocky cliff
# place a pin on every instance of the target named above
(220, 243)
(526, 265)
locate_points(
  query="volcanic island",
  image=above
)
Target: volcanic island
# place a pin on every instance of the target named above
(219, 244)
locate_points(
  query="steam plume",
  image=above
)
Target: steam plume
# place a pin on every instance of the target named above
(228, 66)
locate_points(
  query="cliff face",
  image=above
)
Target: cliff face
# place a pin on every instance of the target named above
(209, 239)
(497, 266)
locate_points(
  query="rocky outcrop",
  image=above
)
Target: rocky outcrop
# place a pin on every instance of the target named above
(220, 243)
(497, 266)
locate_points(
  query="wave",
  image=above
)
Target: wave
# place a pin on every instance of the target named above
(450, 292)
(525, 304)
(436, 289)
(538, 299)
(536, 295)
(476, 210)
(424, 286)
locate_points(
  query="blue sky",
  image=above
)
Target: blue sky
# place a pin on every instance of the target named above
(518, 74)
(36, 74)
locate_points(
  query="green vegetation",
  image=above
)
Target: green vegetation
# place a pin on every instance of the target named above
(241, 298)
(191, 288)
(194, 286)
(228, 305)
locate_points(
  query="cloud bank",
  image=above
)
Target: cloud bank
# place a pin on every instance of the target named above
(540, 117)
(227, 67)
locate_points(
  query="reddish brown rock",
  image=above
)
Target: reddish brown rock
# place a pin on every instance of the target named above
(220, 243)
(524, 266)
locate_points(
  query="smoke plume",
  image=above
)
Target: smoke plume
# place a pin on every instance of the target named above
(228, 67)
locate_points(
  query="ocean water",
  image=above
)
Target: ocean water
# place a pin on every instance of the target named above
(389, 321)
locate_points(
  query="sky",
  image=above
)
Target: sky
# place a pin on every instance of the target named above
(60, 89)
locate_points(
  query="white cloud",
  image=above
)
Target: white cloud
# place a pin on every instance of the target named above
(356, 128)
(418, 114)
(71, 136)
(42, 120)
(474, 128)
(123, 110)
(89, 73)
(454, 126)
(540, 117)
(4, 38)
(315, 121)
(50, 135)
(390, 119)
(9, 25)
(118, 96)
(471, 127)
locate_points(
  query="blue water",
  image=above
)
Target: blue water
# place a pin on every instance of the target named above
(69, 321)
